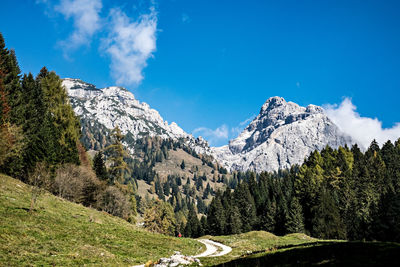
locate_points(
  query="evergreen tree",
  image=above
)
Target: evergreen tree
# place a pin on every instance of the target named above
(267, 216)
(326, 221)
(64, 126)
(295, 221)
(193, 227)
(117, 154)
(183, 165)
(245, 203)
(216, 219)
(99, 167)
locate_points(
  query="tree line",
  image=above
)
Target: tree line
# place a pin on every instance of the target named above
(39, 143)
(336, 193)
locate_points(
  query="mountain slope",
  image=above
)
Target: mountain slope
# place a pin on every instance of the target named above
(100, 110)
(282, 134)
(63, 233)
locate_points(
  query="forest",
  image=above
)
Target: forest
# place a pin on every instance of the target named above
(335, 194)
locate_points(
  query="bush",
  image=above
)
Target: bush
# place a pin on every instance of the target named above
(77, 183)
(113, 201)
(39, 179)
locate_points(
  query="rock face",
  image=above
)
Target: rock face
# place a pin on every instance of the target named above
(282, 134)
(100, 110)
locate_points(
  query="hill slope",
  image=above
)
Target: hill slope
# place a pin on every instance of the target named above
(63, 233)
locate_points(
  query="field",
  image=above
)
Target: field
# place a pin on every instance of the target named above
(62, 233)
(253, 242)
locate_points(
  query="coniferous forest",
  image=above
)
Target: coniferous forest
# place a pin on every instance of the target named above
(40, 143)
(343, 193)
(335, 194)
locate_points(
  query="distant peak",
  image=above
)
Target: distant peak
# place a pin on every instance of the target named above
(314, 109)
(273, 102)
(74, 84)
(114, 88)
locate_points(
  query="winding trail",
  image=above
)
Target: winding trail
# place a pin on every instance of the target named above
(212, 249)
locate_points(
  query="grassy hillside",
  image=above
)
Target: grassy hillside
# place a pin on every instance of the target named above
(62, 233)
(252, 242)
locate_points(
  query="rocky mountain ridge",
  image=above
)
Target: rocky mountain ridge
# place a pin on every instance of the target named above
(282, 134)
(100, 110)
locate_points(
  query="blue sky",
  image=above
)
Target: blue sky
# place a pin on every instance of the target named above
(210, 65)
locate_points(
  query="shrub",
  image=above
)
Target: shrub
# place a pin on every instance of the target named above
(113, 201)
(77, 183)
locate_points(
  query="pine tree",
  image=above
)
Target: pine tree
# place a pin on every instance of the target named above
(193, 227)
(99, 167)
(117, 154)
(183, 165)
(267, 217)
(245, 203)
(216, 219)
(326, 220)
(295, 221)
(64, 132)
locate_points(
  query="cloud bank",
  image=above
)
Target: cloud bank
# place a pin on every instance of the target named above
(222, 134)
(86, 20)
(213, 136)
(362, 129)
(130, 43)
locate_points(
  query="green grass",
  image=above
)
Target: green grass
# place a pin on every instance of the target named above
(252, 242)
(62, 233)
(326, 254)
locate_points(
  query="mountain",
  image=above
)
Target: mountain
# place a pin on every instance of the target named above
(100, 110)
(157, 148)
(282, 134)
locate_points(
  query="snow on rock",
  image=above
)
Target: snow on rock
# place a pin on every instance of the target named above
(112, 106)
(283, 134)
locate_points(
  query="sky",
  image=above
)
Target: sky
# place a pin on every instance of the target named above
(210, 65)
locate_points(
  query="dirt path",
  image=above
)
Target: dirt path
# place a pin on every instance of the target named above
(212, 249)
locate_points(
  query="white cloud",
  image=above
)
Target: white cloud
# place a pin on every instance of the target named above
(247, 121)
(213, 136)
(362, 129)
(130, 44)
(86, 19)
(222, 134)
(235, 131)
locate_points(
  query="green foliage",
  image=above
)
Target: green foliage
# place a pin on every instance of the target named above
(336, 193)
(49, 130)
(117, 154)
(99, 167)
(159, 218)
